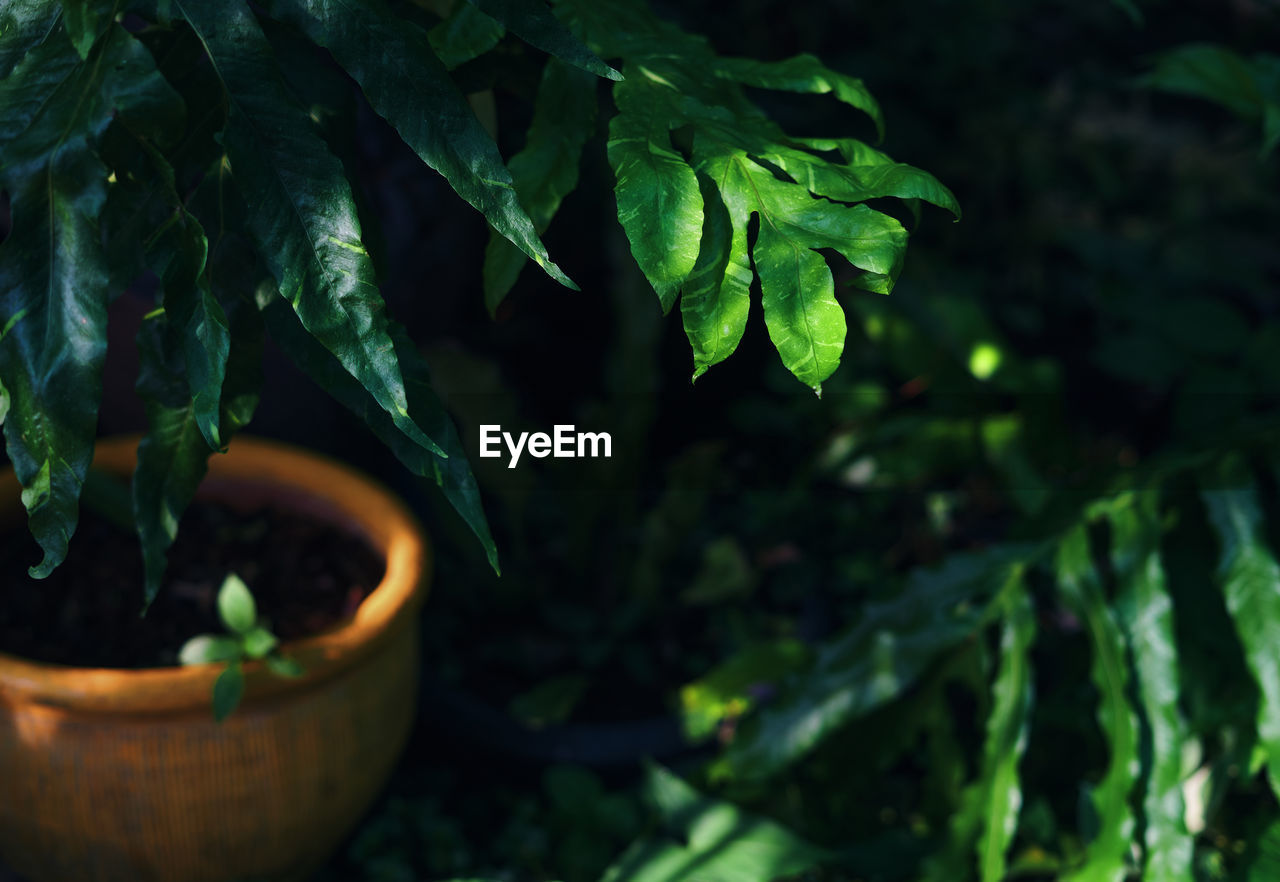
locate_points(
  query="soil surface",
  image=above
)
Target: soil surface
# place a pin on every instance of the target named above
(305, 575)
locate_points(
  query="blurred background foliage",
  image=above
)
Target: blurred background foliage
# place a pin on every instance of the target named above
(1001, 604)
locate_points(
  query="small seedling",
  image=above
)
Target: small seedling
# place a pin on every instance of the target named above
(248, 638)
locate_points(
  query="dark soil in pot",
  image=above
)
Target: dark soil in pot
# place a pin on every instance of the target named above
(305, 574)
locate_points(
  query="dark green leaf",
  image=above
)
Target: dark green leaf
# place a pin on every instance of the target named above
(659, 204)
(874, 661)
(85, 20)
(283, 666)
(228, 689)
(236, 607)
(466, 33)
(24, 24)
(53, 272)
(1212, 72)
(710, 841)
(533, 22)
(416, 95)
(300, 208)
(1105, 856)
(452, 475)
(1249, 574)
(1146, 613)
(546, 169)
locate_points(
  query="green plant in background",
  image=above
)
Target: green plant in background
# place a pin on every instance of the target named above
(170, 136)
(248, 638)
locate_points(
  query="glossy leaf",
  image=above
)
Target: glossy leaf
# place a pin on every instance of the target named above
(659, 204)
(802, 73)
(24, 24)
(453, 475)
(417, 96)
(717, 293)
(300, 208)
(53, 271)
(1081, 589)
(873, 662)
(709, 840)
(866, 174)
(534, 22)
(546, 169)
(1248, 573)
(1146, 612)
(805, 322)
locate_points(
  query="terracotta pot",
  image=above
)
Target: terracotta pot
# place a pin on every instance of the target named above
(123, 776)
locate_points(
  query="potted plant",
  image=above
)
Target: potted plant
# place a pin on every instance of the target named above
(176, 140)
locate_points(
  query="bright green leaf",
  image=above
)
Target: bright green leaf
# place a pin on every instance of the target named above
(209, 649)
(236, 607)
(1145, 610)
(802, 73)
(1249, 576)
(717, 293)
(659, 204)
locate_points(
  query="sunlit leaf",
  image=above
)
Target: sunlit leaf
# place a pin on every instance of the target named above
(1146, 614)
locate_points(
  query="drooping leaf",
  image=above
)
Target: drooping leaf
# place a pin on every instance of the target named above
(866, 174)
(1078, 581)
(453, 475)
(716, 298)
(228, 689)
(1146, 614)
(659, 204)
(535, 23)
(1248, 574)
(546, 169)
(417, 96)
(53, 272)
(466, 33)
(300, 209)
(709, 840)
(872, 662)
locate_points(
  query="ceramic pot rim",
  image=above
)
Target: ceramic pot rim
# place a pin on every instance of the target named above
(262, 469)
